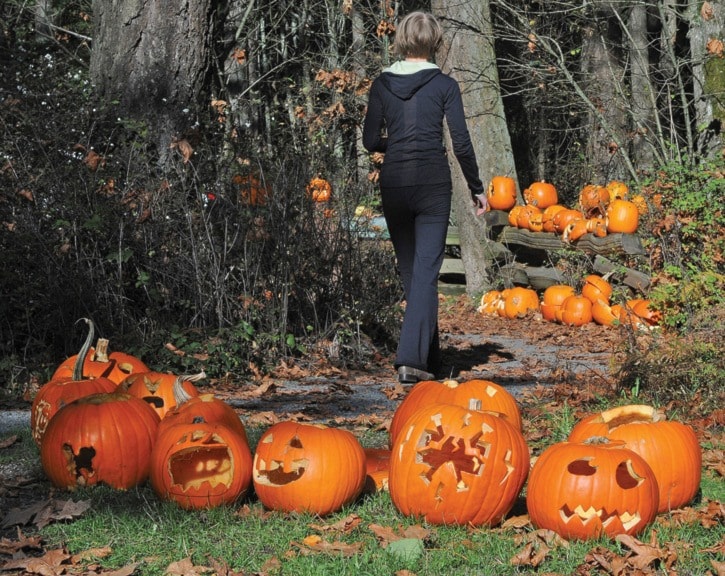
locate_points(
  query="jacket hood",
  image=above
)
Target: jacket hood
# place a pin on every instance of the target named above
(404, 79)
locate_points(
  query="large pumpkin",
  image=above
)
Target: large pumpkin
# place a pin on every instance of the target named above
(451, 465)
(101, 438)
(201, 465)
(115, 366)
(583, 490)
(670, 448)
(594, 199)
(541, 194)
(157, 388)
(575, 310)
(552, 299)
(501, 193)
(471, 394)
(520, 301)
(63, 390)
(308, 468)
(622, 216)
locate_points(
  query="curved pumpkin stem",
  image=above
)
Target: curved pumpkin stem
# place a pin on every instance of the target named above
(180, 394)
(81, 358)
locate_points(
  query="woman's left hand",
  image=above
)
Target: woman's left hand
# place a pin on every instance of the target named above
(480, 202)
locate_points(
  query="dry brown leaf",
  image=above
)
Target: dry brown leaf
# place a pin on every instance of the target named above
(10, 547)
(643, 555)
(345, 525)
(517, 522)
(27, 194)
(719, 567)
(9, 441)
(127, 570)
(47, 565)
(90, 554)
(184, 147)
(186, 567)
(316, 544)
(387, 534)
(706, 11)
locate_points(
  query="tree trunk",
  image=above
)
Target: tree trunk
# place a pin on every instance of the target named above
(153, 59)
(707, 25)
(468, 55)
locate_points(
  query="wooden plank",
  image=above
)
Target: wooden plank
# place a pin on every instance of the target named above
(537, 277)
(612, 243)
(452, 266)
(632, 278)
(452, 237)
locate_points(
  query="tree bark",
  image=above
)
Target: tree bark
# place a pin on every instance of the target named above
(468, 56)
(153, 59)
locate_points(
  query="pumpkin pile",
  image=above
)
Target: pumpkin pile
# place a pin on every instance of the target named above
(456, 456)
(600, 210)
(563, 304)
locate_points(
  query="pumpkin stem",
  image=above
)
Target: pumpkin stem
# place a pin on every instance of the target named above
(450, 383)
(100, 354)
(180, 394)
(81, 358)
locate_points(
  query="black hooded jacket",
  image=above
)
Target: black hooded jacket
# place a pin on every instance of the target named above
(409, 109)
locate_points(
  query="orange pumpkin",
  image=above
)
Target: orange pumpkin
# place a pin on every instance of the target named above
(670, 448)
(552, 298)
(100, 439)
(541, 194)
(597, 226)
(472, 394)
(524, 216)
(622, 216)
(564, 217)
(319, 189)
(604, 314)
(584, 490)
(513, 216)
(547, 217)
(157, 388)
(574, 230)
(644, 310)
(308, 468)
(501, 193)
(377, 469)
(200, 465)
(451, 465)
(594, 199)
(575, 311)
(491, 302)
(520, 301)
(596, 287)
(115, 366)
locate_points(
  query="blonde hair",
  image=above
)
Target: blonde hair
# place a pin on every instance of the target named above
(418, 35)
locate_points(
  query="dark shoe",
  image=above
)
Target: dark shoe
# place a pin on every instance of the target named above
(410, 375)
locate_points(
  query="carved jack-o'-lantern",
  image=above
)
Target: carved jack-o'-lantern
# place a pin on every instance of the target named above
(472, 394)
(583, 490)
(451, 465)
(201, 465)
(157, 388)
(308, 468)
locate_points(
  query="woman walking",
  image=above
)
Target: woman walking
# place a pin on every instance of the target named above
(407, 105)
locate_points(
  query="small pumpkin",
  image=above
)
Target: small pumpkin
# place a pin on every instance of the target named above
(622, 216)
(617, 190)
(597, 226)
(513, 217)
(501, 193)
(575, 230)
(552, 299)
(473, 394)
(525, 215)
(670, 448)
(576, 310)
(319, 189)
(604, 314)
(547, 217)
(101, 438)
(644, 310)
(584, 490)
(251, 190)
(596, 287)
(115, 366)
(157, 388)
(490, 303)
(564, 217)
(377, 469)
(541, 194)
(200, 465)
(594, 199)
(520, 301)
(451, 465)
(308, 468)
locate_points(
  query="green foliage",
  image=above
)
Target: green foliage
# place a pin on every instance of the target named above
(683, 232)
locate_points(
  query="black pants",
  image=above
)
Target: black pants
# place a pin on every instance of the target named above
(417, 219)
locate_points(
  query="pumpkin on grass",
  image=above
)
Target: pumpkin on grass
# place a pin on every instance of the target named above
(115, 366)
(451, 465)
(200, 465)
(377, 469)
(670, 448)
(62, 390)
(308, 468)
(480, 395)
(584, 490)
(101, 438)
(157, 388)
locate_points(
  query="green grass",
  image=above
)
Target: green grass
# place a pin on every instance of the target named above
(139, 528)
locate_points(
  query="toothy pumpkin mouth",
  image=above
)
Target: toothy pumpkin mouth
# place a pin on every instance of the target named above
(606, 517)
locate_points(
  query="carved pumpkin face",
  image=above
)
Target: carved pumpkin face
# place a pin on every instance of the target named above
(451, 465)
(501, 193)
(101, 438)
(584, 490)
(305, 467)
(157, 388)
(201, 465)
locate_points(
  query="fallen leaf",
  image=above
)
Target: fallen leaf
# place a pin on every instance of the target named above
(9, 441)
(386, 534)
(186, 567)
(10, 547)
(517, 522)
(47, 565)
(316, 544)
(91, 553)
(345, 525)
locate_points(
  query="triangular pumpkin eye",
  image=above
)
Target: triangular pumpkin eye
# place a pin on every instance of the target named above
(581, 467)
(295, 443)
(627, 478)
